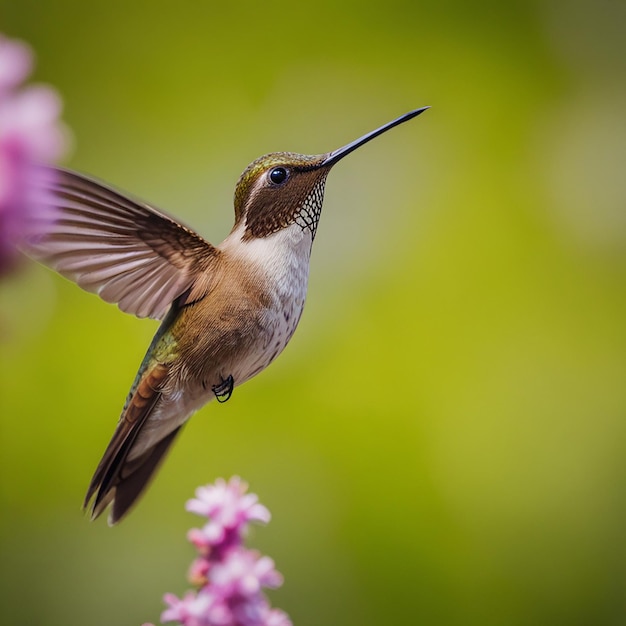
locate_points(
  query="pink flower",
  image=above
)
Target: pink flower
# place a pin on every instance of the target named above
(30, 134)
(276, 617)
(229, 510)
(243, 573)
(231, 577)
(16, 62)
(257, 612)
(199, 571)
(201, 609)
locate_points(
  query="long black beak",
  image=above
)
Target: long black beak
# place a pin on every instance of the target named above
(338, 154)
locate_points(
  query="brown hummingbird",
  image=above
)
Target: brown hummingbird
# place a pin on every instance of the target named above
(227, 311)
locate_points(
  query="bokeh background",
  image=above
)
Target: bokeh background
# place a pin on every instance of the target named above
(443, 442)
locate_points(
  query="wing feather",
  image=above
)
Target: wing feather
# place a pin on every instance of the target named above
(124, 250)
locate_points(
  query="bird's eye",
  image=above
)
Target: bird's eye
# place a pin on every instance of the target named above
(278, 175)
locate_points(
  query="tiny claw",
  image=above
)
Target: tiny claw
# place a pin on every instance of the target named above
(224, 390)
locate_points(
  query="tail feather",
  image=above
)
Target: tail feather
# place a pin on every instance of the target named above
(130, 487)
(121, 477)
(126, 480)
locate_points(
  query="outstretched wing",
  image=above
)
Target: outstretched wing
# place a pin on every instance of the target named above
(126, 251)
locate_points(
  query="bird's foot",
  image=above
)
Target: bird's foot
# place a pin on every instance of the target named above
(224, 390)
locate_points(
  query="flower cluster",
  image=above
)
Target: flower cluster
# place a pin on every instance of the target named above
(30, 134)
(230, 576)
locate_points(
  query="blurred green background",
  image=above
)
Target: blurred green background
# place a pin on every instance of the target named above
(443, 441)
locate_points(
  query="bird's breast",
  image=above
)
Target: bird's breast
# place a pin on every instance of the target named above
(284, 298)
(253, 310)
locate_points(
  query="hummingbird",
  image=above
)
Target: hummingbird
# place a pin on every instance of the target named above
(226, 311)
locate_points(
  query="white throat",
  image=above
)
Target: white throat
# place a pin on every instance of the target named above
(282, 256)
